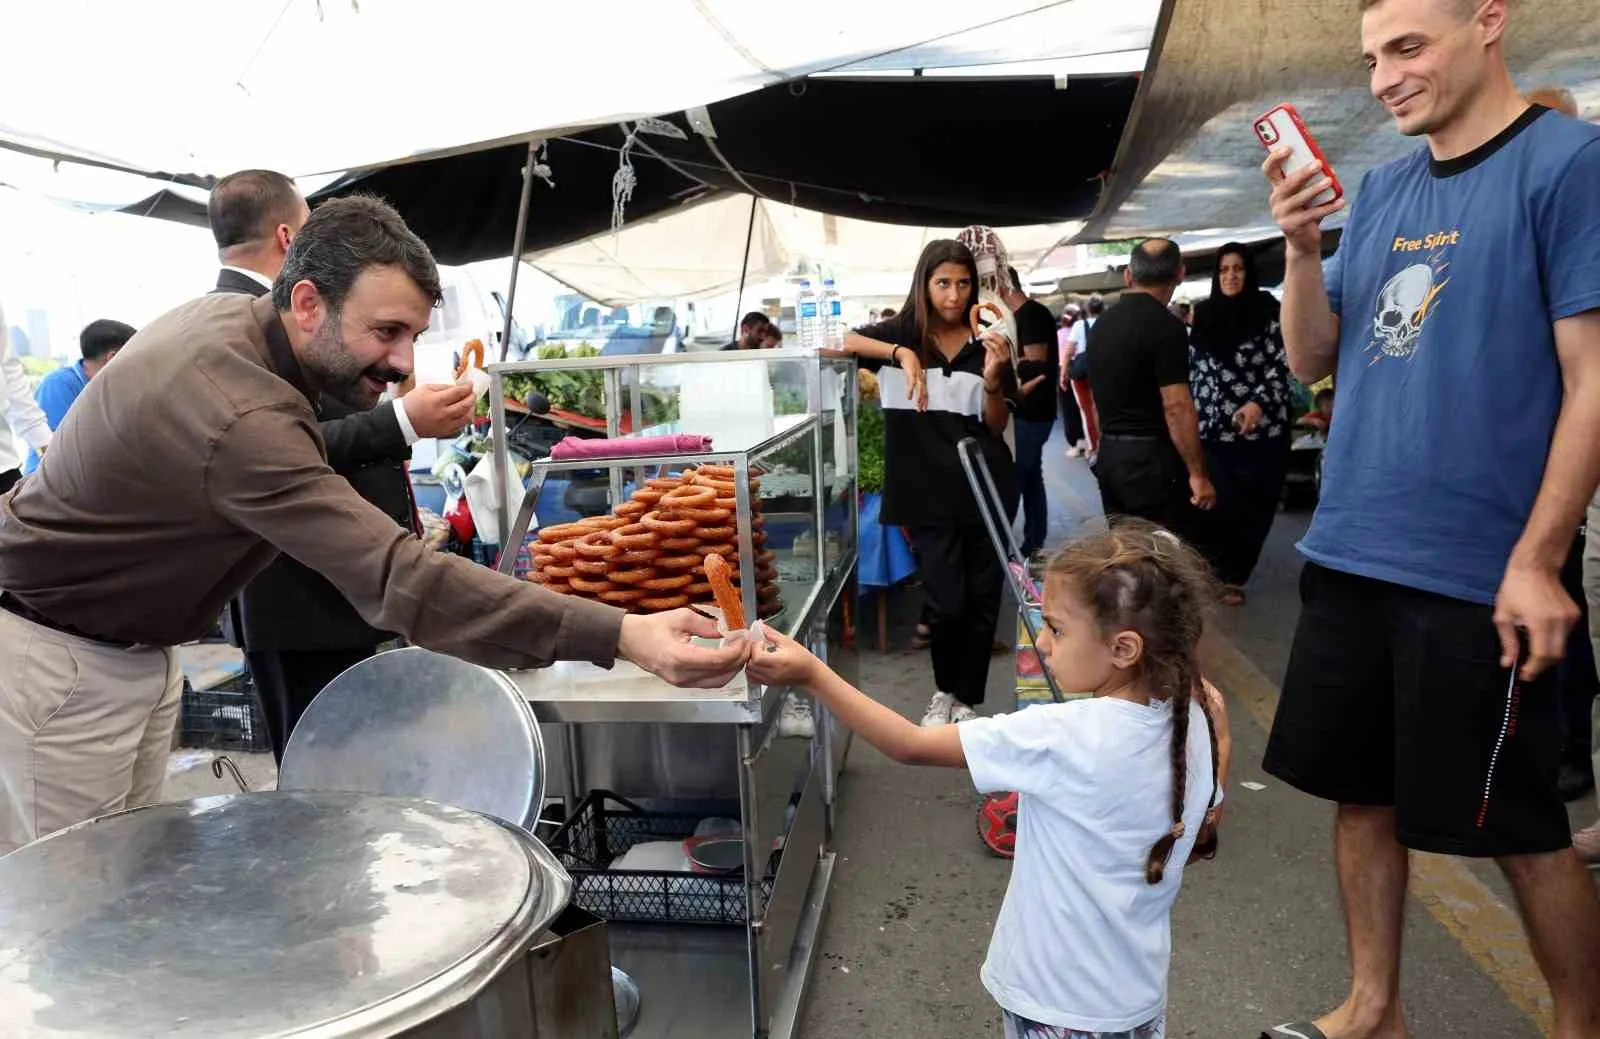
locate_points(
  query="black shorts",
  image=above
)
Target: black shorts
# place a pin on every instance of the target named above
(1395, 696)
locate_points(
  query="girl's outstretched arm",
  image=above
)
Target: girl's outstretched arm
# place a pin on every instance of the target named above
(789, 663)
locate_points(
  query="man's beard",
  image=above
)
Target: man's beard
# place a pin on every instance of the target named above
(338, 373)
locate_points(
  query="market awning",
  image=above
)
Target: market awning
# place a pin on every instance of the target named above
(316, 86)
(699, 250)
(1189, 159)
(900, 151)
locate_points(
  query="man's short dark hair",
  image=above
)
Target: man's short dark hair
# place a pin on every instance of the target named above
(99, 338)
(1155, 263)
(246, 206)
(1462, 9)
(753, 320)
(1016, 281)
(1096, 305)
(344, 237)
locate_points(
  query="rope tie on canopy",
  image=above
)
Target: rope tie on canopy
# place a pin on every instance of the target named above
(624, 180)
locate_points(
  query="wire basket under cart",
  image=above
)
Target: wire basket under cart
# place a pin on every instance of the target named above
(997, 814)
(603, 827)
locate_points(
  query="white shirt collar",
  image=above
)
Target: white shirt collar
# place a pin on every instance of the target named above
(255, 276)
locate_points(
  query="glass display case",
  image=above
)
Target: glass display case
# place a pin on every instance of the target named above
(783, 422)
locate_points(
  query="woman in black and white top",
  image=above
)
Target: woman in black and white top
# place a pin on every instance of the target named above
(940, 384)
(1240, 380)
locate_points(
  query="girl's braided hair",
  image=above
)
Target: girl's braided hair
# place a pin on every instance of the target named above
(1139, 577)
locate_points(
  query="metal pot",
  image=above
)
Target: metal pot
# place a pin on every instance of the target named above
(314, 915)
(414, 723)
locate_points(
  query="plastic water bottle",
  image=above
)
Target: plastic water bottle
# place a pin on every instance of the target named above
(832, 316)
(808, 317)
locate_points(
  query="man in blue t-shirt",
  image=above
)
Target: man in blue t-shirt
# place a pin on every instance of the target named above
(1461, 318)
(98, 342)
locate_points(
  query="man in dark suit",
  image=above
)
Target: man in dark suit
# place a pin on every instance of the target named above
(297, 631)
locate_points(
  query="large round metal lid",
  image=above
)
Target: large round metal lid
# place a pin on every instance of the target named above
(420, 724)
(262, 914)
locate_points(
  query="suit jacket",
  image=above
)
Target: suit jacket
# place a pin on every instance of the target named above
(289, 606)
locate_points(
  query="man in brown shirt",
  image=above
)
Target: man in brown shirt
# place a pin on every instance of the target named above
(187, 467)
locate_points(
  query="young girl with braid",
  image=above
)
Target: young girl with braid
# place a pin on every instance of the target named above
(1116, 790)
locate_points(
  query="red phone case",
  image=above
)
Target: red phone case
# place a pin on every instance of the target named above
(1311, 142)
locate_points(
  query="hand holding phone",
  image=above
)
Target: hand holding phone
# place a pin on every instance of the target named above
(1305, 189)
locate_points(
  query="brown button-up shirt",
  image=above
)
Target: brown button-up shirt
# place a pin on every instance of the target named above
(187, 465)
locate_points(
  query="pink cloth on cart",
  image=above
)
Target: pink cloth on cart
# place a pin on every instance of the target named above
(570, 448)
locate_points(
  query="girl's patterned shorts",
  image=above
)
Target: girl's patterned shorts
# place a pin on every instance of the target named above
(1022, 1028)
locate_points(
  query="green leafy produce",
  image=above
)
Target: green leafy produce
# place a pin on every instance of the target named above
(583, 392)
(869, 446)
(786, 400)
(659, 407)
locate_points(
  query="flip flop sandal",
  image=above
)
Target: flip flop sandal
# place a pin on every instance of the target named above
(1294, 1030)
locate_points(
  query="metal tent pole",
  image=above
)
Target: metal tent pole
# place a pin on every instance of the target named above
(500, 451)
(744, 268)
(516, 246)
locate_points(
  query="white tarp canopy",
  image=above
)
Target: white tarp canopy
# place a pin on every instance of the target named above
(700, 250)
(317, 86)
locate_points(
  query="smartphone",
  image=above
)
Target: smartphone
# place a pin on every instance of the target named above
(1282, 126)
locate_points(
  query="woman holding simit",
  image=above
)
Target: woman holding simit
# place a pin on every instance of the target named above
(940, 384)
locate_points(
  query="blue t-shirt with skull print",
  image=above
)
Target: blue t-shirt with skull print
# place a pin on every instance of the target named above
(1447, 282)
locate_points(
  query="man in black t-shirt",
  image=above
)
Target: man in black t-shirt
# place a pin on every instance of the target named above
(1035, 410)
(1139, 372)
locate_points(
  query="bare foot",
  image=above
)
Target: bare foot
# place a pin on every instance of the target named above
(1352, 1022)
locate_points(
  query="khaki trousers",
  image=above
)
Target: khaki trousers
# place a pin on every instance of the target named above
(1591, 592)
(85, 728)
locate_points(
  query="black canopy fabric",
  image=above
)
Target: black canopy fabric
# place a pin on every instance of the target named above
(923, 152)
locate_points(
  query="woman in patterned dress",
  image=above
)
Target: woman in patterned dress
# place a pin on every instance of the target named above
(1240, 382)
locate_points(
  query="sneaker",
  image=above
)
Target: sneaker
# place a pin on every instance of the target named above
(938, 712)
(960, 712)
(1586, 843)
(1074, 451)
(794, 719)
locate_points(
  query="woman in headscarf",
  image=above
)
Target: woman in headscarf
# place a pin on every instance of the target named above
(1240, 382)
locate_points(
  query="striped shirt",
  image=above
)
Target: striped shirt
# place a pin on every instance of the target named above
(924, 484)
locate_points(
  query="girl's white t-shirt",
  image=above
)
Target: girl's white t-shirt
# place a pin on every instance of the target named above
(1082, 940)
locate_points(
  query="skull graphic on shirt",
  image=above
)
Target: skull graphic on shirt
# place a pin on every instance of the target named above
(1403, 306)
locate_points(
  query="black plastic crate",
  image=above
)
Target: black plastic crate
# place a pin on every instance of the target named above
(225, 717)
(603, 827)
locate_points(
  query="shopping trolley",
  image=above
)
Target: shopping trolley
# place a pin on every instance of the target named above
(997, 815)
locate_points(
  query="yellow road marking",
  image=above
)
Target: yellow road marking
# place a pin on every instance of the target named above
(1474, 916)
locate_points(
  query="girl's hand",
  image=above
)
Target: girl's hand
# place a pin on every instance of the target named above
(916, 377)
(780, 660)
(996, 360)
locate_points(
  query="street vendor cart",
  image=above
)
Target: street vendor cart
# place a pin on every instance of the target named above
(691, 821)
